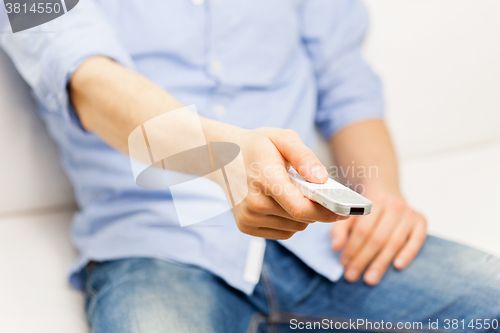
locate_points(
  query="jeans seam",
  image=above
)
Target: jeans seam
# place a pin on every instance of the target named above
(270, 292)
(257, 319)
(90, 281)
(274, 316)
(92, 293)
(123, 277)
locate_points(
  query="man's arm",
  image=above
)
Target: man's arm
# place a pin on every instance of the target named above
(393, 232)
(112, 100)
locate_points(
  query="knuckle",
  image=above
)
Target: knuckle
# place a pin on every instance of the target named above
(377, 241)
(262, 181)
(396, 244)
(303, 156)
(421, 237)
(412, 214)
(358, 266)
(332, 217)
(398, 205)
(291, 133)
(300, 226)
(297, 211)
(423, 220)
(256, 204)
(266, 129)
(286, 235)
(379, 264)
(328, 217)
(246, 218)
(362, 230)
(245, 213)
(379, 198)
(245, 229)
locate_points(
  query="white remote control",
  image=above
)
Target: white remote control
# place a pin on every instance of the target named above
(332, 195)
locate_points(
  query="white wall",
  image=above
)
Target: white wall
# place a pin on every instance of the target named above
(440, 63)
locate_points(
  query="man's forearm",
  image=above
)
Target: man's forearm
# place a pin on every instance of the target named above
(366, 146)
(112, 101)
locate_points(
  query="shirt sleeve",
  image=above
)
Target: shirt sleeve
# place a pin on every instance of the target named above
(348, 91)
(46, 56)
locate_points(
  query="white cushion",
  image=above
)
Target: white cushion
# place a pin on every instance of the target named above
(458, 191)
(35, 254)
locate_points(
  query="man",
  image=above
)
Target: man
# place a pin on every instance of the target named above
(263, 75)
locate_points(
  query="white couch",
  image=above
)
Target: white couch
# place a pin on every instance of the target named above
(439, 62)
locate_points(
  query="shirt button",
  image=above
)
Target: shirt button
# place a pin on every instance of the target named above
(198, 2)
(220, 110)
(216, 65)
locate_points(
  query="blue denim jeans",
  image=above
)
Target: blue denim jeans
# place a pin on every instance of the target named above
(448, 286)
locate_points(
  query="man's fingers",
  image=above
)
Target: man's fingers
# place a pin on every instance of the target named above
(295, 204)
(273, 234)
(280, 223)
(361, 230)
(396, 241)
(268, 206)
(373, 244)
(412, 246)
(302, 158)
(340, 233)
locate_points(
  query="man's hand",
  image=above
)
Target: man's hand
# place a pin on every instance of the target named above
(274, 208)
(393, 232)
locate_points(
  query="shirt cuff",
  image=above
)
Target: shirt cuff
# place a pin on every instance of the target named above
(336, 120)
(61, 63)
(81, 36)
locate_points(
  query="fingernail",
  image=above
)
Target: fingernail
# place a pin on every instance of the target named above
(400, 262)
(319, 172)
(372, 277)
(352, 274)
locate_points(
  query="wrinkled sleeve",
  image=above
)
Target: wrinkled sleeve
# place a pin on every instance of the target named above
(46, 56)
(348, 90)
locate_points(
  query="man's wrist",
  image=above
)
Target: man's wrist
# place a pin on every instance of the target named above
(374, 189)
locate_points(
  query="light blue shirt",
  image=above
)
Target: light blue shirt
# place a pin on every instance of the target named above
(251, 63)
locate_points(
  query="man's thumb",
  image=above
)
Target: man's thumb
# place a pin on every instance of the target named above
(302, 159)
